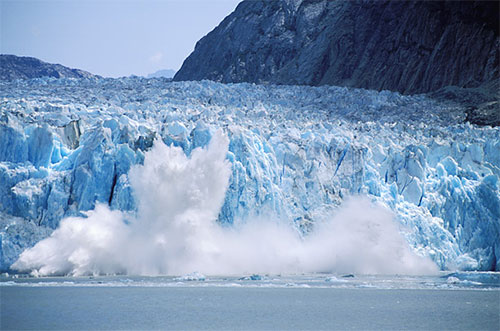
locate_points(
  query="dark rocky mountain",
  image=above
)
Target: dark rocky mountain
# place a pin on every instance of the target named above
(23, 67)
(406, 46)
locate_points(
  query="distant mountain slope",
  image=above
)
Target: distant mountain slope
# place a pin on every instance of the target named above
(405, 46)
(23, 67)
(166, 73)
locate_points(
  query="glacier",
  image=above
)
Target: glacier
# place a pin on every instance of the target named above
(295, 153)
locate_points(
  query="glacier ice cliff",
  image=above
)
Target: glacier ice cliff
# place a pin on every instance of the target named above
(295, 152)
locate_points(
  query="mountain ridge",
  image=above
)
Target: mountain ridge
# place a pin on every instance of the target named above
(25, 67)
(410, 47)
(166, 73)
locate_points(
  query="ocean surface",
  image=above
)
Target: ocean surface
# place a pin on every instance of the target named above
(450, 301)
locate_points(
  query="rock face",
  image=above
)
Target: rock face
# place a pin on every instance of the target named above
(406, 46)
(22, 67)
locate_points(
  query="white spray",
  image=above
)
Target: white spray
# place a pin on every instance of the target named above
(175, 231)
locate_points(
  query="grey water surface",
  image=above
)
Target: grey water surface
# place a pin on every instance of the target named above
(254, 302)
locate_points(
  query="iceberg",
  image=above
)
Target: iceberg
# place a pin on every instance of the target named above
(295, 154)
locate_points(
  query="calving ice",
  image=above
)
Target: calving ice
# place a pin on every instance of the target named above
(106, 176)
(174, 230)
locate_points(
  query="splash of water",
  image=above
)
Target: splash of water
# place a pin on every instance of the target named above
(175, 231)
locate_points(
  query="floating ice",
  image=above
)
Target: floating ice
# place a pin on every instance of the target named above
(193, 276)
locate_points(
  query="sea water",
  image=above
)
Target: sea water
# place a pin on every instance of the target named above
(308, 302)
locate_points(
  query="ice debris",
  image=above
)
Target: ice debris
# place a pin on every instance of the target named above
(193, 276)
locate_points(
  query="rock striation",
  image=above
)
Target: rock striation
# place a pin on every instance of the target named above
(22, 67)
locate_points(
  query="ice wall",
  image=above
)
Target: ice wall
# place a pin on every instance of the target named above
(295, 152)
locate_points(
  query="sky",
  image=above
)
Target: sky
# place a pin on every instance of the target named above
(110, 38)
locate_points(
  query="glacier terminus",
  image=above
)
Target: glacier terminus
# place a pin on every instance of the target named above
(303, 158)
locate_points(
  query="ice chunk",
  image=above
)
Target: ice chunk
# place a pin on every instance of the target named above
(193, 276)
